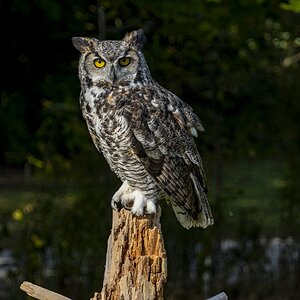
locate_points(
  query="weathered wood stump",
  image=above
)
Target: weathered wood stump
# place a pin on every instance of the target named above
(136, 261)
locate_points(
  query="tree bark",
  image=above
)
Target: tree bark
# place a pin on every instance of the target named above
(136, 261)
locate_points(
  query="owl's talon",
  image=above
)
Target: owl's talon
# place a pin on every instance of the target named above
(126, 206)
(127, 200)
(115, 204)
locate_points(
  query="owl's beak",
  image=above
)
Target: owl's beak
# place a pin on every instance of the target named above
(113, 77)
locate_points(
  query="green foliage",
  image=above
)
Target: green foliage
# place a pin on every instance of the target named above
(292, 5)
(60, 234)
(229, 52)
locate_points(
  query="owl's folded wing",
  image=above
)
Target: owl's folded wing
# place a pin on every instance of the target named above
(163, 142)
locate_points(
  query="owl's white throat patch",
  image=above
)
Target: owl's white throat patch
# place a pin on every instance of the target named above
(93, 94)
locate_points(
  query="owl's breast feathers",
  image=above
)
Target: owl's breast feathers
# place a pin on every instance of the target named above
(159, 129)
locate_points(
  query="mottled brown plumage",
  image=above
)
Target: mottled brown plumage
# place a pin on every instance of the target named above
(144, 131)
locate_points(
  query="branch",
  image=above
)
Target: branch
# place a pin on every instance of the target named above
(40, 293)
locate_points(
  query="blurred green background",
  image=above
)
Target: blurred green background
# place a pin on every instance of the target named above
(235, 62)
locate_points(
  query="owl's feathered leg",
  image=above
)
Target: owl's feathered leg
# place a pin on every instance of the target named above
(134, 200)
(139, 203)
(116, 199)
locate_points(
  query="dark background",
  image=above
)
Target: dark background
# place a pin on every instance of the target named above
(235, 62)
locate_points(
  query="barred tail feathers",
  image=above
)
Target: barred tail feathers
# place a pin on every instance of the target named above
(201, 216)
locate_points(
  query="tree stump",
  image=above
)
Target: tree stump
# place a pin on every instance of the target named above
(136, 261)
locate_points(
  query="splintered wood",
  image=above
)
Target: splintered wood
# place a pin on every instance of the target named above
(136, 261)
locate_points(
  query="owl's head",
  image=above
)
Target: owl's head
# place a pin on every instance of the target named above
(112, 62)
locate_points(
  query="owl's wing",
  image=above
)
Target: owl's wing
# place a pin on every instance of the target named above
(164, 144)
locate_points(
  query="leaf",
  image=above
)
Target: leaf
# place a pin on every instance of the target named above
(293, 5)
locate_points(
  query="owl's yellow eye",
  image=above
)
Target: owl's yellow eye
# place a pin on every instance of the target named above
(124, 61)
(99, 63)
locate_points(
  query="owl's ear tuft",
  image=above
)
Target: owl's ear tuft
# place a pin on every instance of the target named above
(84, 44)
(136, 39)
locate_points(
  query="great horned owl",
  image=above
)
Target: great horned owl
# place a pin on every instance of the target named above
(143, 130)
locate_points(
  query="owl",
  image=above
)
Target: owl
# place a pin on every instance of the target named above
(145, 132)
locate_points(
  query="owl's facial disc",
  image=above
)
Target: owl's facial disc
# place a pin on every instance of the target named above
(116, 72)
(116, 62)
(118, 69)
